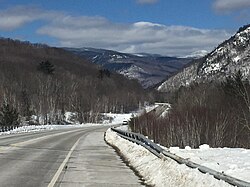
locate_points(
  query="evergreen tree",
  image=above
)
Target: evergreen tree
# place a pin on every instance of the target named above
(25, 108)
(103, 72)
(8, 116)
(46, 67)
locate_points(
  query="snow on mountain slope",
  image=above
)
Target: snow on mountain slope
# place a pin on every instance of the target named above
(133, 72)
(197, 54)
(148, 69)
(229, 57)
(183, 78)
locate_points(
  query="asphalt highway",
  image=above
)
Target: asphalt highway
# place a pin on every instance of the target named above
(40, 159)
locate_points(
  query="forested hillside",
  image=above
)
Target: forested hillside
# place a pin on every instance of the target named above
(46, 82)
(217, 114)
(210, 100)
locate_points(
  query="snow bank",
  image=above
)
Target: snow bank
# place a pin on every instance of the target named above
(114, 120)
(117, 118)
(36, 128)
(234, 162)
(160, 172)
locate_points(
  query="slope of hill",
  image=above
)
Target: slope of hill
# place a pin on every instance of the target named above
(72, 84)
(146, 68)
(229, 57)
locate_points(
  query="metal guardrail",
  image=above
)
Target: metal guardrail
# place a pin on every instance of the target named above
(161, 153)
(141, 140)
(7, 128)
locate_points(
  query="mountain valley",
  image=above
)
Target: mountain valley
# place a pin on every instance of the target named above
(148, 69)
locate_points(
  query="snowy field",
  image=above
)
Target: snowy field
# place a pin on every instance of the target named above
(113, 119)
(233, 162)
(37, 128)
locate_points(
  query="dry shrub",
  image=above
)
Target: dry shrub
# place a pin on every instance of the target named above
(200, 114)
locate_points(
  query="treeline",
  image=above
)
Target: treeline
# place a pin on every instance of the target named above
(46, 82)
(212, 113)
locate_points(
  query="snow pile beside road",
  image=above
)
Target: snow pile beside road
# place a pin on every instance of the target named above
(160, 172)
(36, 128)
(114, 120)
(30, 128)
(234, 162)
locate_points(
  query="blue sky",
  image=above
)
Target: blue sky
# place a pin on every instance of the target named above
(168, 27)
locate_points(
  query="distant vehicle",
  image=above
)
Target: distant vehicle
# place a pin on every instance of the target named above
(124, 122)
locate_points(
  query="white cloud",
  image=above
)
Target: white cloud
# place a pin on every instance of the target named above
(147, 1)
(231, 5)
(134, 38)
(10, 19)
(18, 16)
(84, 31)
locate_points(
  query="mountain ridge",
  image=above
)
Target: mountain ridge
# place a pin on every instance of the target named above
(229, 57)
(148, 69)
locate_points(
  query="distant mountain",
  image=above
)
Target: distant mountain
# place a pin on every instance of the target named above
(148, 69)
(228, 58)
(197, 54)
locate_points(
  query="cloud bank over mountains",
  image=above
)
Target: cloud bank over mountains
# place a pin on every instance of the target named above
(99, 32)
(231, 5)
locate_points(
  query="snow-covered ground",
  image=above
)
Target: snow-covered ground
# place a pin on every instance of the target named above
(112, 119)
(36, 128)
(159, 172)
(120, 118)
(233, 162)
(117, 118)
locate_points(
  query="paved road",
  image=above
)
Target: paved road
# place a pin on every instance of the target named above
(67, 157)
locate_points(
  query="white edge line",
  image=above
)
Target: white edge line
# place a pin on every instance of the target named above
(56, 176)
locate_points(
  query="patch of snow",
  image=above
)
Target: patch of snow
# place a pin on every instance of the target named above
(139, 55)
(115, 119)
(204, 147)
(167, 107)
(70, 117)
(234, 162)
(36, 128)
(133, 72)
(236, 59)
(197, 54)
(161, 172)
(188, 148)
(212, 68)
(118, 56)
(95, 57)
(151, 107)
